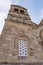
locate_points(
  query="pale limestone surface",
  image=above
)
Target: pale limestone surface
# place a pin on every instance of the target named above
(18, 25)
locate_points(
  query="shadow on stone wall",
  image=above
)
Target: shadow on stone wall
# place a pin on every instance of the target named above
(6, 63)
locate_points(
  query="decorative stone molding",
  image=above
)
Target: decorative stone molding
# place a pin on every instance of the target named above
(31, 51)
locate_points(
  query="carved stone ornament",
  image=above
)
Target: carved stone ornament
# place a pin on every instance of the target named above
(31, 51)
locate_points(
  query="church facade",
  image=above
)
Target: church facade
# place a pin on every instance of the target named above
(21, 40)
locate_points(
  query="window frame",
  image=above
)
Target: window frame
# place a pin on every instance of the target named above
(23, 49)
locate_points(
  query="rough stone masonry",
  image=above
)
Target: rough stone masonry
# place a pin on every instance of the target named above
(21, 40)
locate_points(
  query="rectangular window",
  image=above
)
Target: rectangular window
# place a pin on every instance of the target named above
(23, 48)
(22, 11)
(15, 10)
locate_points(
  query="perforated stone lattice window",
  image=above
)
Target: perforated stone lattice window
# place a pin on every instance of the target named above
(23, 48)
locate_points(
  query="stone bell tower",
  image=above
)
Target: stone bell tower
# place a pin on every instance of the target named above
(19, 41)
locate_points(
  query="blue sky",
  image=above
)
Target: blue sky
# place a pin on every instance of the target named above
(34, 8)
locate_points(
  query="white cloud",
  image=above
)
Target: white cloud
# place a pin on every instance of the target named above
(5, 4)
(4, 7)
(2, 17)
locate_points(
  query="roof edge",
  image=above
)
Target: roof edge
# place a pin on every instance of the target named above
(19, 6)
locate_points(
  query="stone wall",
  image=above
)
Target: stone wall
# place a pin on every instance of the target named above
(12, 32)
